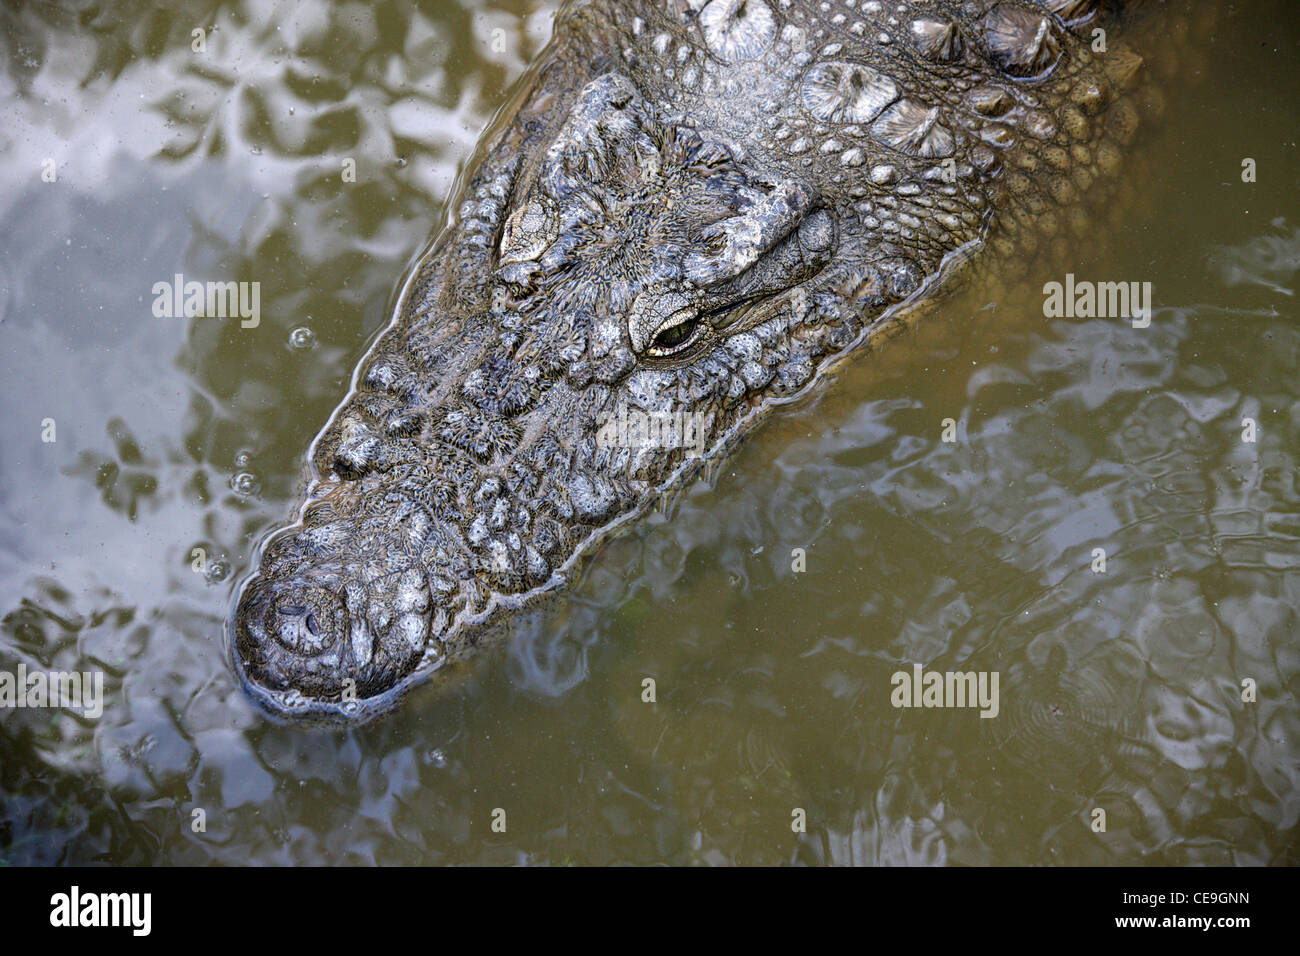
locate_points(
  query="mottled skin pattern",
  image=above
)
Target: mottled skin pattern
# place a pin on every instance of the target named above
(690, 207)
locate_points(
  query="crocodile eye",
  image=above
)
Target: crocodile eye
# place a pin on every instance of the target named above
(676, 334)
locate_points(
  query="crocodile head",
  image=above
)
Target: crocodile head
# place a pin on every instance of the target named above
(625, 291)
(647, 293)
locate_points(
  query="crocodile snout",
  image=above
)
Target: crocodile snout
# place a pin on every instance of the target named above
(305, 644)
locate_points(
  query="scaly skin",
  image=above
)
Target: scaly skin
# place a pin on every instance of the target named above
(693, 207)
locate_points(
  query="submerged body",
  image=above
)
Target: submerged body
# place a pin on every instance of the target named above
(690, 210)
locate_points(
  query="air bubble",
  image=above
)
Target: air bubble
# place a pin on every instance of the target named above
(301, 339)
(246, 484)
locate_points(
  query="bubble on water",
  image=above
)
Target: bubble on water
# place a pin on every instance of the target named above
(302, 338)
(436, 758)
(400, 162)
(243, 459)
(246, 484)
(217, 571)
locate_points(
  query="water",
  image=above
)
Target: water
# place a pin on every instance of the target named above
(178, 444)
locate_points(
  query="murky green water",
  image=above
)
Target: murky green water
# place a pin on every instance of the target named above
(1121, 690)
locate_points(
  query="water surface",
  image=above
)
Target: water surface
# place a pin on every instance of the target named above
(1121, 690)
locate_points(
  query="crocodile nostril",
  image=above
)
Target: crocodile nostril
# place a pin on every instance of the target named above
(300, 617)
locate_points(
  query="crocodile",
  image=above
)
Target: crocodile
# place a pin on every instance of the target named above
(686, 214)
